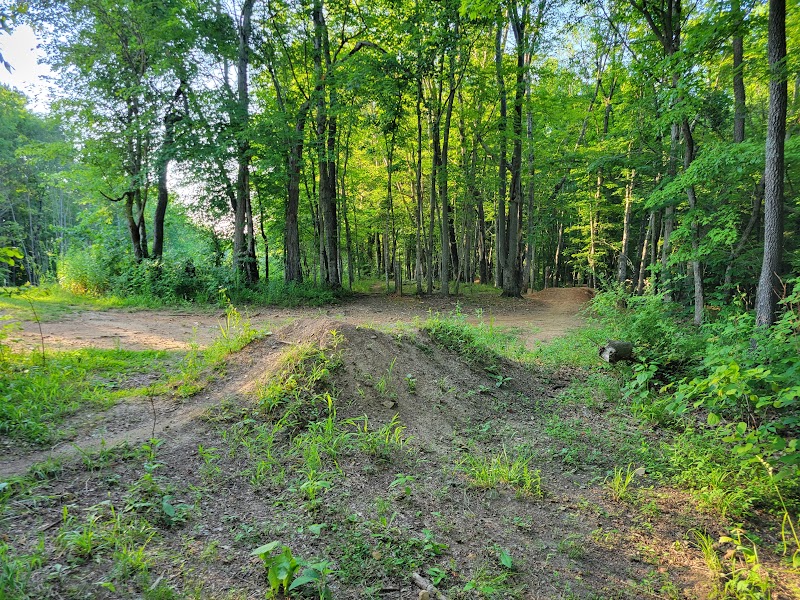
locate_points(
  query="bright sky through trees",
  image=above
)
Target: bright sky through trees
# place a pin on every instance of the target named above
(20, 49)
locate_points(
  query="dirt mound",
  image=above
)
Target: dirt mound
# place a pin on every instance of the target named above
(570, 297)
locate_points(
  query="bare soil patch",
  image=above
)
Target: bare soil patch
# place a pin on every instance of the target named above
(539, 316)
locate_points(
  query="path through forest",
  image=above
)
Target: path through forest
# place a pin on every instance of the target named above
(566, 537)
(539, 316)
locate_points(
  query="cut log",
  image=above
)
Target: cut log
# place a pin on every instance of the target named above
(615, 351)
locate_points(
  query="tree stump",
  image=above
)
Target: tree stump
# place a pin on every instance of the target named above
(615, 351)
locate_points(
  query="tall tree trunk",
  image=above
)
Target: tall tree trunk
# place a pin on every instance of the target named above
(739, 114)
(447, 222)
(133, 227)
(418, 190)
(739, 105)
(559, 247)
(263, 232)
(483, 265)
(171, 117)
(769, 284)
(243, 236)
(622, 264)
(436, 162)
(512, 270)
(326, 147)
(388, 233)
(665, 22)
(163, 191)
(344, 196)
(530, 243)
(500, 215)
(643, 259)
(293, 271)
(139, 203)
(697, 267)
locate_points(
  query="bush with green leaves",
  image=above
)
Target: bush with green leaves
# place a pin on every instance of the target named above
(733, 388)
(748, 386)
(99, 271)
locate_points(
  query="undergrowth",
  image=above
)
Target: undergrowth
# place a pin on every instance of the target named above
(729, 394)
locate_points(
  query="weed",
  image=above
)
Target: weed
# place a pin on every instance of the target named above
(376, 549)
(789, 536)
(403, 481)
(619, 482)
(36, 398)
(706, 546)
(380, 442)
(411, 383)
(437, 575)
(312, 488)
(473, 343)
(744, 576)
(488, 472)
(297, 386)
(149, 496)
(572, 546)
(524, 523)
(385, 381)
(209, 470)
(499, 379)
(105, 531)
(493, 580)
(197, 367)
(604, 537)
(283, 570)
(16, 570)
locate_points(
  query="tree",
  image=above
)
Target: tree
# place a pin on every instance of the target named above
(245, 263)
(116, 60)
(769, 282)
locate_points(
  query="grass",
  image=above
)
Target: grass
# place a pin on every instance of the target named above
(492, 471)
(35, 398)
(39, 392)
(51, 302)
(481, 345)
(620, 480)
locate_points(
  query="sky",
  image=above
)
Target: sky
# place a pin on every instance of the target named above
(20, 49)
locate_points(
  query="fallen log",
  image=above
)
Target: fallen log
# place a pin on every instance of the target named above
(615, 351)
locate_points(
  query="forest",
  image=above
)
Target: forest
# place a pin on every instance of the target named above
(304, 298)
(430, 145)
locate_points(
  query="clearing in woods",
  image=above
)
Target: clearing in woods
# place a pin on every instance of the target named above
(371, 441)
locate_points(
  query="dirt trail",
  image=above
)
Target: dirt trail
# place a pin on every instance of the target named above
(539, 316)
(170, 419)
